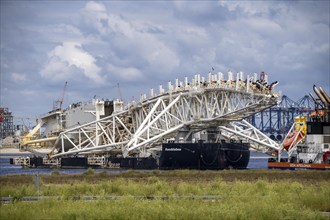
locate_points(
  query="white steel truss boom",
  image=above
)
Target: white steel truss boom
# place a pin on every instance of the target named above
(258, 140)
(144, 125)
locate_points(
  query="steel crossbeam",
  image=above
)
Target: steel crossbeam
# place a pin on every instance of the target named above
(258, 140)
(146, 124)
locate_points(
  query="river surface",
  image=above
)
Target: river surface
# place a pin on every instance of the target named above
(257, 161)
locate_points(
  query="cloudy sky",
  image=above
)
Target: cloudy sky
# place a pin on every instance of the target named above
(140, 44)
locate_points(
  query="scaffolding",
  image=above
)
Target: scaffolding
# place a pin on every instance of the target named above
(6, 123)
(277, 120)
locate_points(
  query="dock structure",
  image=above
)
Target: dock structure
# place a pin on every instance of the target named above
(202, 103)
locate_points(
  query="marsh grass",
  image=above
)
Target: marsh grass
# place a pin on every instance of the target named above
(55, 172)
(129, 208)
(89, 171)
(257, 198)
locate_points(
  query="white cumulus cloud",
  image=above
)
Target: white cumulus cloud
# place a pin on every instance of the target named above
(18, 77)
(68, 60)
(126, 37)
(252, 7)
(94, 6)
(125, 73)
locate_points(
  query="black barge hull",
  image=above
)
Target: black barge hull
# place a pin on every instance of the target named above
(204, 156)
(201, 156)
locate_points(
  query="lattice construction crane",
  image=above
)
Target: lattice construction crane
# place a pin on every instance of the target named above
(58, 103)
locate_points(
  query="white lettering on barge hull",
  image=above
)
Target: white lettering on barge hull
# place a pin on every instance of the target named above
(172, 149)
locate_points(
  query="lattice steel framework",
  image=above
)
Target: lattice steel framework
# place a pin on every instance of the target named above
(200, 105)
(258, 140)
(277, 120)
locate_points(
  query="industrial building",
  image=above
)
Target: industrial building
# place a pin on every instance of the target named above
(6, 123)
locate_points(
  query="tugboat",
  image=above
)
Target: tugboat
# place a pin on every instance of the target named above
(308, 141)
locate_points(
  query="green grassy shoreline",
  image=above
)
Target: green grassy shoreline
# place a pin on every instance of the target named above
(246, 194)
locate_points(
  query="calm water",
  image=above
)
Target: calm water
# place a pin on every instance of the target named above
(257, 161)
